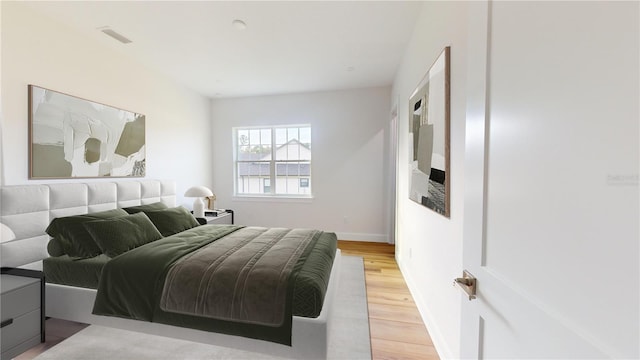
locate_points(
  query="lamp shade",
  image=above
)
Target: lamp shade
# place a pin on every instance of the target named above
(6, 234)
(198, 191)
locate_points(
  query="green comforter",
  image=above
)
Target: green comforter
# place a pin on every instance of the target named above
(131, 284)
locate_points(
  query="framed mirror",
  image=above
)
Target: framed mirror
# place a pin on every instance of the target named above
(429, 126)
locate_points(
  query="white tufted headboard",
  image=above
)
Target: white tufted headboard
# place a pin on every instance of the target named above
(28, 210)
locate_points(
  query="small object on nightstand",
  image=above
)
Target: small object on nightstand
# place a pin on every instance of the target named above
(222, 216)
(210, 201)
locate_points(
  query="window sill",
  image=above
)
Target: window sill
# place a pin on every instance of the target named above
(281, 198)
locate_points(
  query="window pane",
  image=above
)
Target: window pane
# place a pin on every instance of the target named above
(254, 185)
(281, 153)
(266, 184)
(305, 136)
(251, 176)
(254, 137)
(294, 151)
(243, 137)
(293, 148)
(244, 153)
(305, 152)
(241, 185)
(292, 134)
(293, 178)
(281, 136)
(265, 137)
(264, 152)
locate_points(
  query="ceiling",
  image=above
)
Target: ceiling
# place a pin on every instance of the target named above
(287, 47)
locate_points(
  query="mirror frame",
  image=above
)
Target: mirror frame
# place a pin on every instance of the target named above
(430, 116)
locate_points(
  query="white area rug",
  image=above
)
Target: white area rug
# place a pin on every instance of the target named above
(349, 338)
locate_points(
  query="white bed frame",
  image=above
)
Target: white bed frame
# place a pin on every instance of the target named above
(28, 210)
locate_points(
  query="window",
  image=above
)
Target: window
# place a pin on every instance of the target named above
(273, 161)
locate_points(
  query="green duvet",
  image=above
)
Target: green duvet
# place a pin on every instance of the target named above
(132, 284)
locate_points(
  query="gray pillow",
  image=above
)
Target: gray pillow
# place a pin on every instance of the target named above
(119, 235)
(74, 238)
(148, 207)
(172, 221)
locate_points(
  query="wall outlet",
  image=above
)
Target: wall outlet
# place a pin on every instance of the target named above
(345, 219)
(410, 253)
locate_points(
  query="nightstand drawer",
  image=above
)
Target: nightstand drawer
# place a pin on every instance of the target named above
(25, 327)
(22, 313)
(224, 218)
(21, 301)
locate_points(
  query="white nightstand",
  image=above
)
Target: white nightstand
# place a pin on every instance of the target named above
(223, 218)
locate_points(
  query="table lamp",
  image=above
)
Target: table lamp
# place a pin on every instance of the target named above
(198, 192)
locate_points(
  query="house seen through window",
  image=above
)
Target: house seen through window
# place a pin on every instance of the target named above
(273, 161)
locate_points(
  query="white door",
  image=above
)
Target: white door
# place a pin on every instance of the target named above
(551, 181)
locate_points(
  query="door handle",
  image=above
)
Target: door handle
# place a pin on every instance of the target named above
(467, 283)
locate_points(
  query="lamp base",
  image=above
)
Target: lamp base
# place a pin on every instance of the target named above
(198, 208)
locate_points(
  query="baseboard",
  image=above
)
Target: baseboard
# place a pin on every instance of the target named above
(434, 331)
(362, 237)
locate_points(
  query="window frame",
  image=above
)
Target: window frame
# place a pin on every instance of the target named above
(272, 166)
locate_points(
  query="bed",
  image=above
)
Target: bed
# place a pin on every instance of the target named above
(29, 210)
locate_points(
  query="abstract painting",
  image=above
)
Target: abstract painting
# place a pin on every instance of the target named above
(429, 124)
(71, 137)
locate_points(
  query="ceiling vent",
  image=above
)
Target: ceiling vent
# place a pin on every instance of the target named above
(115, 35)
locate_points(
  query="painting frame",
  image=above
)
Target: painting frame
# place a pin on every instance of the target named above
(430, 138)
(74, 138)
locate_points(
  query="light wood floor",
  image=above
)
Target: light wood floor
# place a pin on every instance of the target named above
(396, 328)
(395, 325)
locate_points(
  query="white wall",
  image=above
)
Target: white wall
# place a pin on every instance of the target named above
(428, 245)
(1, 136)
(349, 131)
(39, 51)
